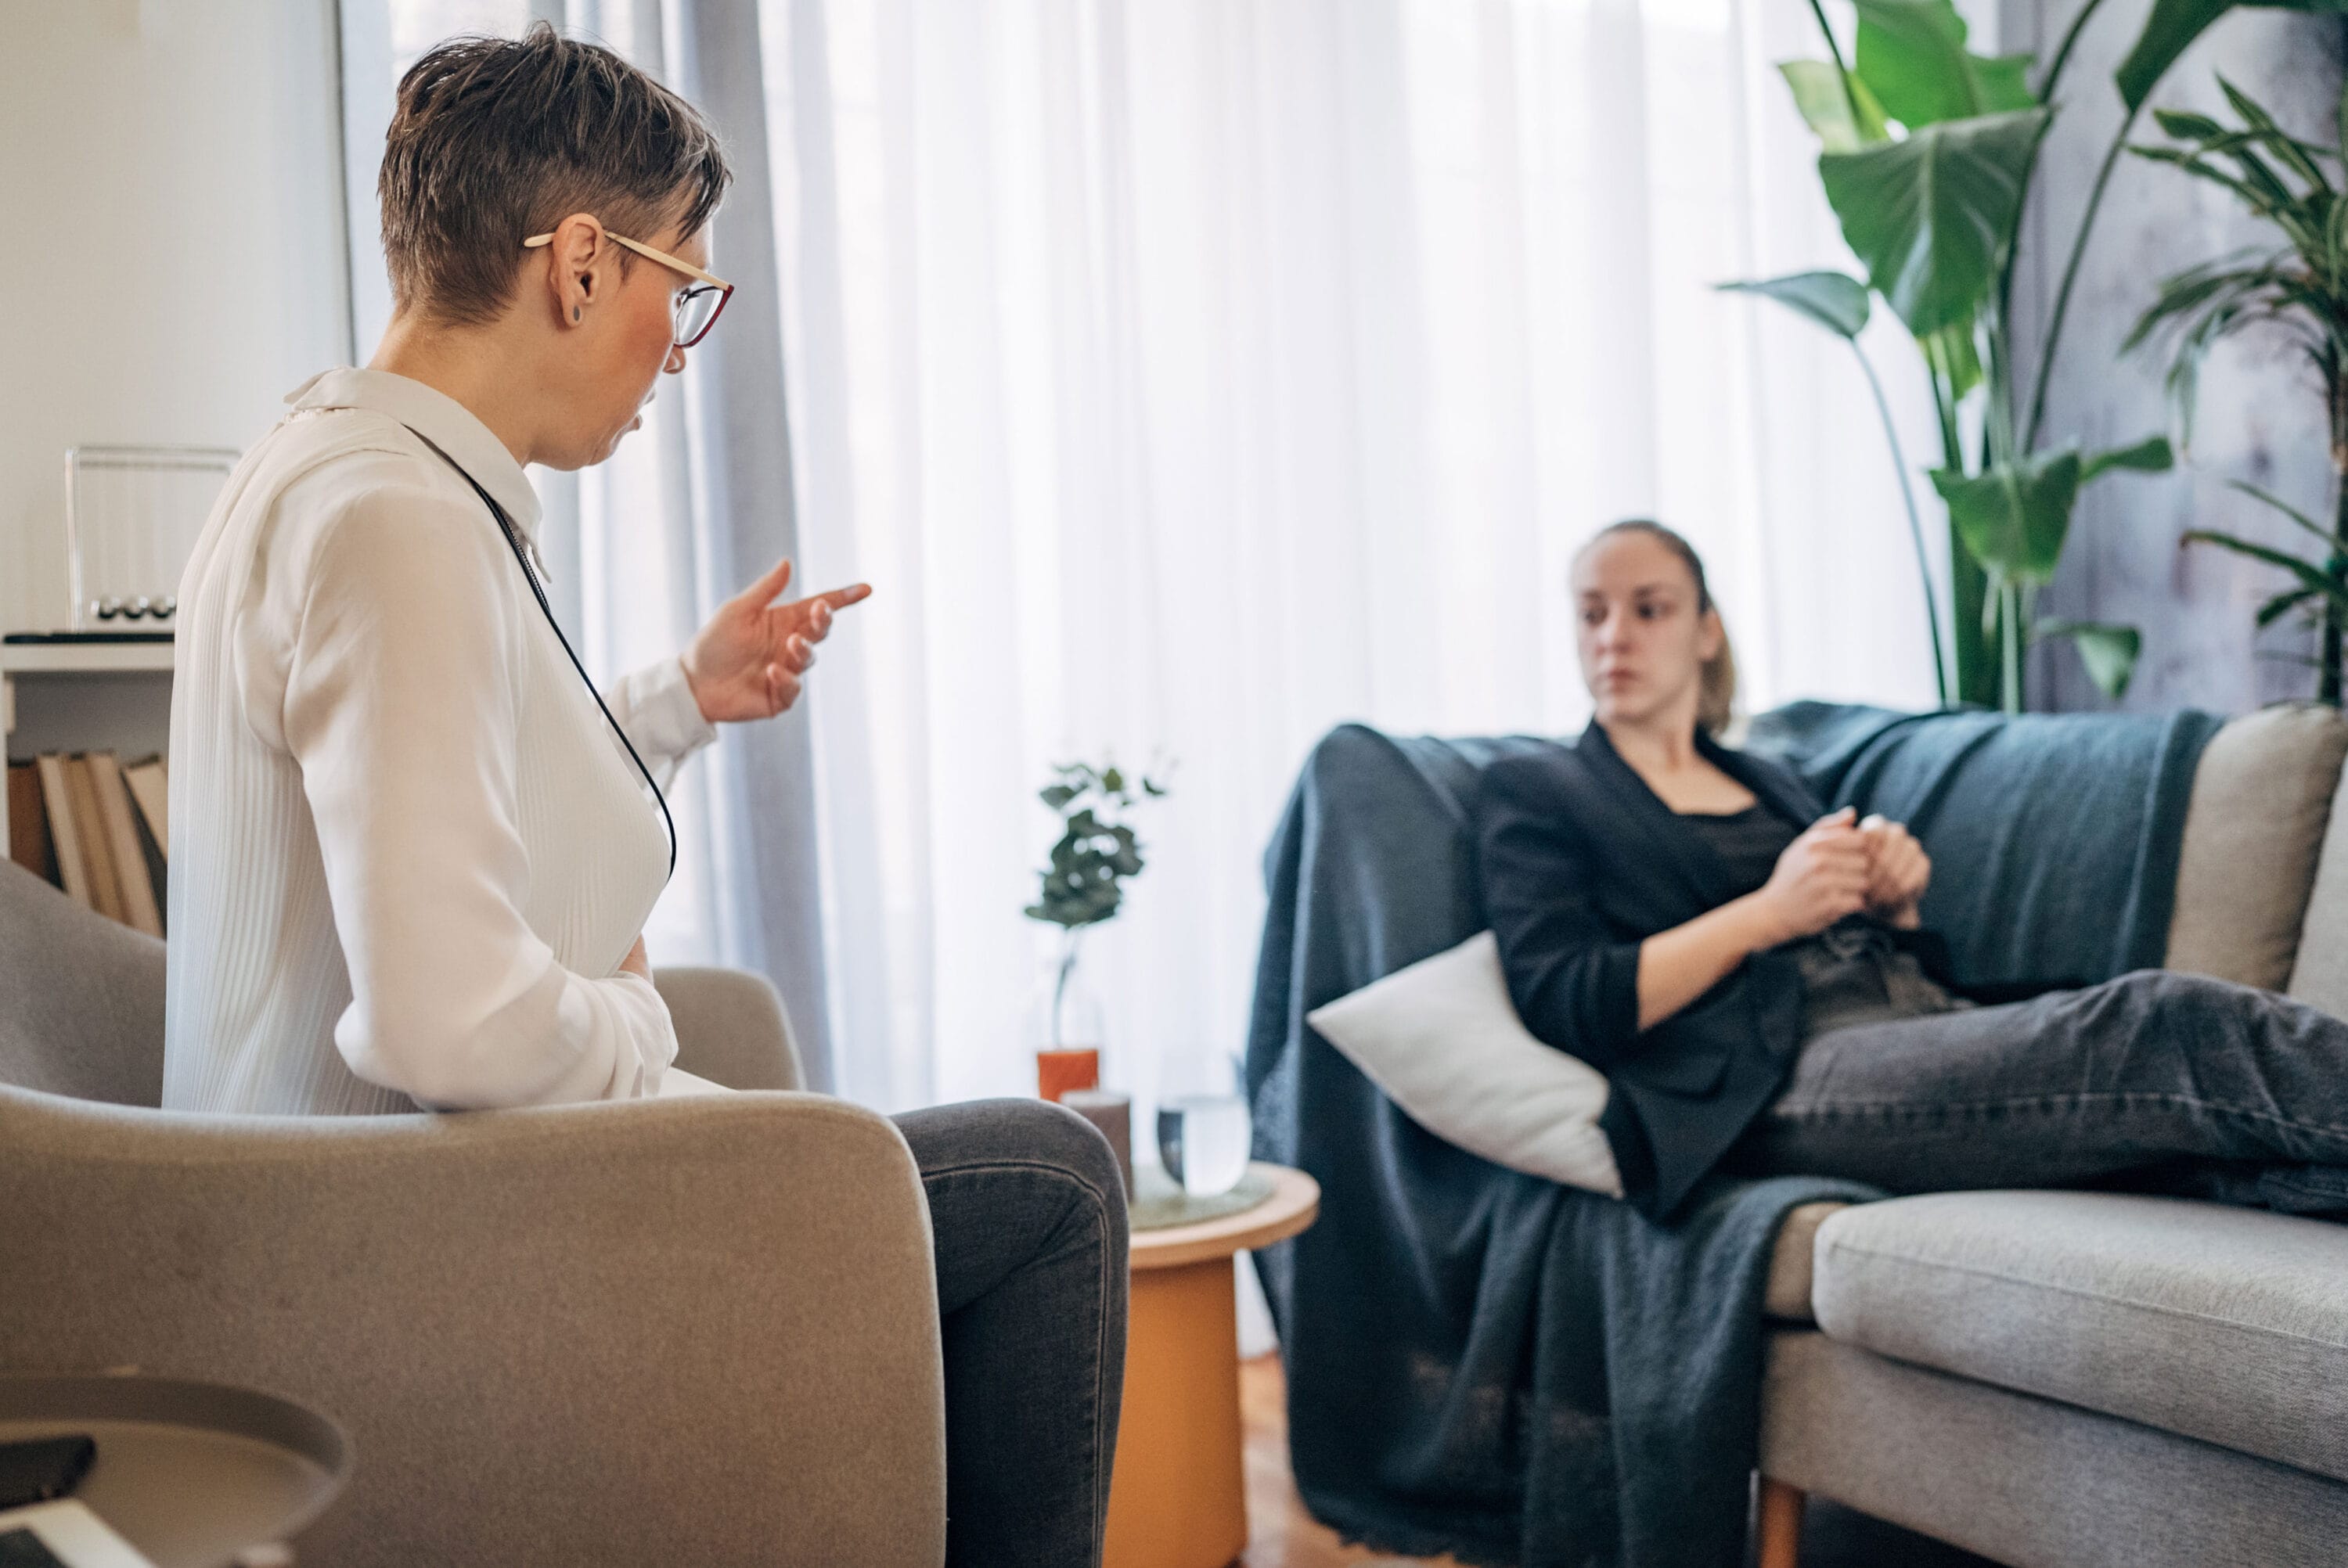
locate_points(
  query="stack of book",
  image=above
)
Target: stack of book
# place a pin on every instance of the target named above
(96, 828)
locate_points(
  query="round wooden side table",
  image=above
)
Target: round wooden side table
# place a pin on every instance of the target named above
(1177, 1496)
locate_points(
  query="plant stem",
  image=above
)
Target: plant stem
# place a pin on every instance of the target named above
(2071, 277)
(1915, 523)
(2008, 613)
(2328, 682)
(2063, 51)
(1060, 985)
(1849, 93)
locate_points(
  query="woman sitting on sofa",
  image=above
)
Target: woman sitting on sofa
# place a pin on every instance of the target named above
(1751, 975)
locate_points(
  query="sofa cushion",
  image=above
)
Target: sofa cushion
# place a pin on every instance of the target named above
(2262, 798)
(1442, 1038)
(2226, 1325)
(2024, 1481)
(2319, 973)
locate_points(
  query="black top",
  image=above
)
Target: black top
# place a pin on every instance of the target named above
(1579, 863)
(1749, 843)
(1852, 972)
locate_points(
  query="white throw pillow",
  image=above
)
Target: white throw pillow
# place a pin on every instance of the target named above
(1444, 1041)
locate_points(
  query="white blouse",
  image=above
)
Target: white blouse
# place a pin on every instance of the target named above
(409, 851)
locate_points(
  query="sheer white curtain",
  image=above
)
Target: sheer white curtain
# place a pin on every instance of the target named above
(1191, 377)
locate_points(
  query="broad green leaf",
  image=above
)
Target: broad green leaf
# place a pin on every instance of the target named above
(1826, 107)
(2004, 81)
(1911, 54)
(2108, 652)
(2015, 518)
(1829, 300)
(2171, 29)
(2149, 455)
(1930, 216)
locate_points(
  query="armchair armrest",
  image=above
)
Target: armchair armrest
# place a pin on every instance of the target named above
(731, 1028)
(692, 1331)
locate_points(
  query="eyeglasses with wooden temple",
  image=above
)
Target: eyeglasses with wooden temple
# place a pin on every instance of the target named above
(697, 307)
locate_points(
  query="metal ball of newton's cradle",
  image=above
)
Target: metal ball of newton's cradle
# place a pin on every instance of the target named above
(113, 608)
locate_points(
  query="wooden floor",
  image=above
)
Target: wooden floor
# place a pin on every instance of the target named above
(1280, 1534)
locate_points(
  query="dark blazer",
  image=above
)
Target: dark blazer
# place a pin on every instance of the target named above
(1579, 862)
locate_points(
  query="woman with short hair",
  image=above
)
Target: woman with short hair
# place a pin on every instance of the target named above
(1751, 974)
(416, 845)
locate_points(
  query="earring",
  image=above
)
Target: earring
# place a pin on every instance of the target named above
(574, 313)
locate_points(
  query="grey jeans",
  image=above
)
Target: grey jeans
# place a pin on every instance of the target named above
(2153, 1081)
(1027, 1214)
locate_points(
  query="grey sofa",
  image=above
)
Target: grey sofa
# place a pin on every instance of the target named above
(698, 1331)
(2092, 1380)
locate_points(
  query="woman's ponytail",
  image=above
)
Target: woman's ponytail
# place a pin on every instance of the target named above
(1715, 703)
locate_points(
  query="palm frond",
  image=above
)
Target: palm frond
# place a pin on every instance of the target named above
(2313, 577)
(2285, 507)
(2282, 604)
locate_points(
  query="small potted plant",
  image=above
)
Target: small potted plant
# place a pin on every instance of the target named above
(1083, 886)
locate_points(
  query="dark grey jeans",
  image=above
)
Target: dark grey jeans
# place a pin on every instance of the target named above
(2152, 1082)
(1027, 1211)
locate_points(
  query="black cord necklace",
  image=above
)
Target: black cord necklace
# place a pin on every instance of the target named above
(513, 542)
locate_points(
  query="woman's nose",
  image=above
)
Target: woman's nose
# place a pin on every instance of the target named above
(675, 361)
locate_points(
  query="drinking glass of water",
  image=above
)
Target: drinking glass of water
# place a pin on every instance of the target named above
(1203, 1139)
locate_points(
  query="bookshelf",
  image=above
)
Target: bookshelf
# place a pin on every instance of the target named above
(39, 664)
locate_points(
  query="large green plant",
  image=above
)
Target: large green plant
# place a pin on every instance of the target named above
(2299, 286)
(1927, 155)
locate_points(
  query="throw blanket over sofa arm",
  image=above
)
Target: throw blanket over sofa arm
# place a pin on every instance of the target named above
(694, 1331)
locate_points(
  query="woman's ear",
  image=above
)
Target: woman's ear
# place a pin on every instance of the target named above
(1710, 636)
(575, 265)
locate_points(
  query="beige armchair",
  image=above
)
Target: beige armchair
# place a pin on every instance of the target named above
(697, 1331)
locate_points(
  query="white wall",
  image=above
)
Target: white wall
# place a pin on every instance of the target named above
(175, 261)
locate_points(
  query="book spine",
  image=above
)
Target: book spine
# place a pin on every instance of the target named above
(29, 844)
(151, 791)
(139, 909)
(89, 826)
(56, 800)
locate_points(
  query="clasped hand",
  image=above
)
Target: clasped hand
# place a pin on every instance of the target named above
(1841, 866)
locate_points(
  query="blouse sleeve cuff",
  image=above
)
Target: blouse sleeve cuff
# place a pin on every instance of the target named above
(663, 718)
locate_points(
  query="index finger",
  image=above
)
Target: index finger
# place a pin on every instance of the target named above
(841, 597)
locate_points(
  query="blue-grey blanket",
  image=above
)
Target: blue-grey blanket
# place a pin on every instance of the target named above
(1484, 1363)
(2053, 837)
